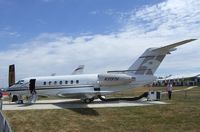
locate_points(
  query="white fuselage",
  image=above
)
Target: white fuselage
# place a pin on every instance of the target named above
(80, 86)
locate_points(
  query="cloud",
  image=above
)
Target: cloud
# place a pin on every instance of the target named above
(93, 12)
(9, 34)
(41, 21)
(168, 18)
(6, 31)
(151, 26)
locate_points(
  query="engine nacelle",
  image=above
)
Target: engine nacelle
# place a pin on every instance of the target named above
(114, 79)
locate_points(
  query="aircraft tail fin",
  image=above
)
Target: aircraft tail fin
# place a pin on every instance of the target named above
(148, 63)
(150, 60)
(11, 76)
(78, 70)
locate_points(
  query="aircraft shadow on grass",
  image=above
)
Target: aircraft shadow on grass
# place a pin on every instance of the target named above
(76, 106)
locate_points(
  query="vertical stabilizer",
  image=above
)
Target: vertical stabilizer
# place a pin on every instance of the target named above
(78, 70)
(148, 63)
(11, 75)
(150, 60)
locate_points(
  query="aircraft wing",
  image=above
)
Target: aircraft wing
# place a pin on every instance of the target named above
(78, 70)
(81, 92)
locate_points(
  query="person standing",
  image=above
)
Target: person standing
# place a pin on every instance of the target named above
(169, 90)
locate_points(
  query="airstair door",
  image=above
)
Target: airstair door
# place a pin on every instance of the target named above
(33, 96)
(32, 86)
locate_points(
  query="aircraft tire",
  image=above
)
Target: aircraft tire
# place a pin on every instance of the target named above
(20, 102)
(88, 100)
(14, 98)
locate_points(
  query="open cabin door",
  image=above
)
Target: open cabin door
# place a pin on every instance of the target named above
(32, 86)
(33, 92)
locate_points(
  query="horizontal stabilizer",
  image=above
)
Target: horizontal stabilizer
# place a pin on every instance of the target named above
(172, 47)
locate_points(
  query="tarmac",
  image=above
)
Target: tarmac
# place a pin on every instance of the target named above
(73, 103)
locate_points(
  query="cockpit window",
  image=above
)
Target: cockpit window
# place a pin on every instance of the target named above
(20, 82)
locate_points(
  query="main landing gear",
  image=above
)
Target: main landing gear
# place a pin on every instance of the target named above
(87, 100)
(17, 99)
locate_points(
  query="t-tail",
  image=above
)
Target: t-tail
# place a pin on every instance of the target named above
(11, 75)
(150, 60)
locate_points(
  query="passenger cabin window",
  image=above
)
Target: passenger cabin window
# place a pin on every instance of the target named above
(66, 82)
(77, 81)
(49, 82)
(60, 82)
(55, 82)
(44, 83)
(72, 81)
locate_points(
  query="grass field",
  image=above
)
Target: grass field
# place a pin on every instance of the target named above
(182, 114)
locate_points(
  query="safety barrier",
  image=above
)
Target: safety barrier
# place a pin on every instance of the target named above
(4, 125)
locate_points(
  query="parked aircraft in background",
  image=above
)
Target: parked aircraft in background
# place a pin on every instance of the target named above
(87, 87)
(78, 70)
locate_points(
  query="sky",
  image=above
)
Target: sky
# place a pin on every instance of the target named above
(42, 37)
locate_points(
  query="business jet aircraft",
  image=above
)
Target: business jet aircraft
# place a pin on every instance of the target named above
(87, 87)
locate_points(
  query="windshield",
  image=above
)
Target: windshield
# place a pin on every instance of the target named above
(20, 82)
